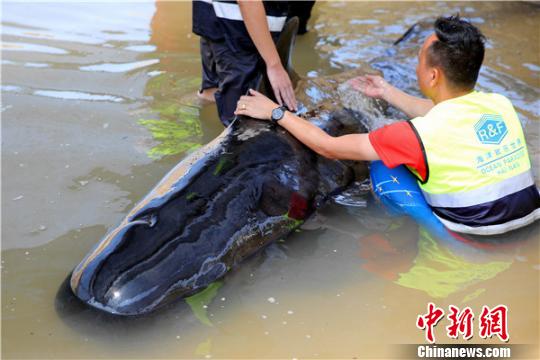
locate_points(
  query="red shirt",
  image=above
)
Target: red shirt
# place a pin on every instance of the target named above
(398, 144)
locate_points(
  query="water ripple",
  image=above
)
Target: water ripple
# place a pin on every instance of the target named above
(19, 46)
(118, 68)
(77, 95)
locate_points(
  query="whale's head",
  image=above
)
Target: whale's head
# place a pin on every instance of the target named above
(139, 265)
(168, 245)
(216, 207)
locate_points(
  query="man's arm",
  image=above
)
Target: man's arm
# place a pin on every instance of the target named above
(347, 147)
(375, 86)
(254, 17)
(411, 105)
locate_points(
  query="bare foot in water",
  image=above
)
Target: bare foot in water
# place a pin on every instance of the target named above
(207, 94)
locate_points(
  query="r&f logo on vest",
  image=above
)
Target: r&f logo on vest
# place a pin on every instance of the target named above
(490, 129)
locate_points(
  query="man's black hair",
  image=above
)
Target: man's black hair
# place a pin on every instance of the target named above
(458, 50)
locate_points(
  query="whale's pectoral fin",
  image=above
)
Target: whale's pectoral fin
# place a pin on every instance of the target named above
(285, 47)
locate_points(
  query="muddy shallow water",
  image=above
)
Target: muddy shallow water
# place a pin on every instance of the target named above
(98, 104)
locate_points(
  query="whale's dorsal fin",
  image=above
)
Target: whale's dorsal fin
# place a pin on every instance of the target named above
(285, 47)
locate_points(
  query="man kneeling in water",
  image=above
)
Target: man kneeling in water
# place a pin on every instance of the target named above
(466, 147)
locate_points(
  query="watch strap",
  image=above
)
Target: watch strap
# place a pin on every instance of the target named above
(283, 109)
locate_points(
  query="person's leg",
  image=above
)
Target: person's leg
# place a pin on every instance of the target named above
(302, 9)
(208, 94)
(237, 72)
(210, 79)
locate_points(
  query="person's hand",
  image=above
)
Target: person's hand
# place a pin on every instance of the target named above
(255, 105)
(282, 86)
(370, 85)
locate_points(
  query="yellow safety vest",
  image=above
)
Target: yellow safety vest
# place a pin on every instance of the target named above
(479, 178)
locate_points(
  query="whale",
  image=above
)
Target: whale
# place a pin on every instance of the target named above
(249, 187)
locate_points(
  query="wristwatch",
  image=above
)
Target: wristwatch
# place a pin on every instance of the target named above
(278, 113)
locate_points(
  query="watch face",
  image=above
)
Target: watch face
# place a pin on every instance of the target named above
(277, 114)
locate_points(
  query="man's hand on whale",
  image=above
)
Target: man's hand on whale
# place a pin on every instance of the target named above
(376, 86)
(281, 85)
(346, 147)
(254, 17)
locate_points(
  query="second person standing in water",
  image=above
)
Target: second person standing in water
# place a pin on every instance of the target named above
(237, 44)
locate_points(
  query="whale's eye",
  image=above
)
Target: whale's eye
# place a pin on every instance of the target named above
(152, 219)
(149, 219)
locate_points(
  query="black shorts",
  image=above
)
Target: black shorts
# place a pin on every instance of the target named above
(232, 73)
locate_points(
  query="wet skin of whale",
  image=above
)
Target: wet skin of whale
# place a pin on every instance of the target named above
(250, 186)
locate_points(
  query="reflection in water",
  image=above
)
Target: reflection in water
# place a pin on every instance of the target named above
(84, 23)
(412, 257)
(119, 67)
(440, 270)
(199, 302)
(177, 128)
(77, 95)
(18, 46)
(173, 137)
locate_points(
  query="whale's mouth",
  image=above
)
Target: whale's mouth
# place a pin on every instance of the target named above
(99, 267)
(147, 290)
(123, 300)
(165, 250)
